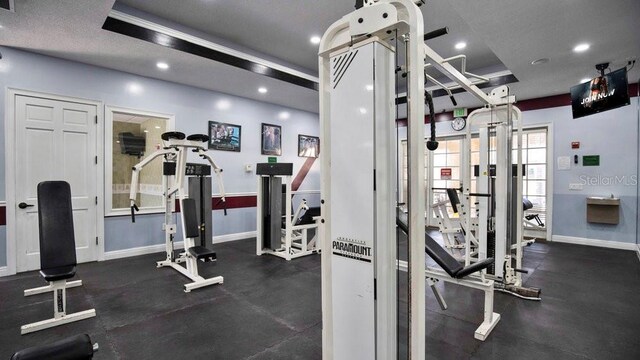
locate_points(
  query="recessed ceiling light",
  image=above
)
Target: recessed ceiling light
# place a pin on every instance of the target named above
(369, 87)
(315, 39)
(157, 127)
(1, 26)
(262, 90)
(540, 61)
(461, 45)
(363, 110)
(162, 65)
(585, 80)
(223, 104)
(581, 47)
(146, 131)
(284, 115)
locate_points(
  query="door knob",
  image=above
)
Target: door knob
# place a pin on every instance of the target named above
(24, 205)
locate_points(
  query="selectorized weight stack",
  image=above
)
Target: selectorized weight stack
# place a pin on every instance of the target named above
(279, 232)
(200, 190)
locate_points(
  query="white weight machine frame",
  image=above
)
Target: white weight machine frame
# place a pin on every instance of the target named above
(295, 238)
(500, 120)
(374, 23)
(60, 316)
(479, 282)
(175, 151)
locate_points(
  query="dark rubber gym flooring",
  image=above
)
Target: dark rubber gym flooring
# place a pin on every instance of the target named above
(268, 308)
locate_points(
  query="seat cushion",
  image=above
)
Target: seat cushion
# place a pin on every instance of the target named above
(58, 273)
(202, 253)
(75, 347)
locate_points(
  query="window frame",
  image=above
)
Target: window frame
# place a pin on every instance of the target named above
(108, 157)
(430, 218)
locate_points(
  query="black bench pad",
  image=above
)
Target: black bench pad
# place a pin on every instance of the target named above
(73, 348)
(58, 273)
(446, 261)
(202, 253)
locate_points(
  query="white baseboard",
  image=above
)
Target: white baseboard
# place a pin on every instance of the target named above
(233, 237)
(594, 242)
(4, 271)
(142, 250)
(638, 251)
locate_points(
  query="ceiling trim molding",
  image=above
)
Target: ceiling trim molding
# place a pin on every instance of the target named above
(138, 28)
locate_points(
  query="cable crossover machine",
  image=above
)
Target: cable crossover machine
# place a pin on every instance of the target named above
(195, 209)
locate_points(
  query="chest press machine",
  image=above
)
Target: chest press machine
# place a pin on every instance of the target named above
(279, 232)
(194, 218)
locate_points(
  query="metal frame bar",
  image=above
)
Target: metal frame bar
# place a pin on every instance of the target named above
(60, 316)
(490, 318)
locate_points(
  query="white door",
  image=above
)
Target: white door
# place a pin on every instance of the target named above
(55, 140)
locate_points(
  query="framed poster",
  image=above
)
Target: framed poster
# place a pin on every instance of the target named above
(308, 146)
(271, 139)
(224, 137)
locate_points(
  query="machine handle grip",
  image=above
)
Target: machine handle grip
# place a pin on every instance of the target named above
(134, 208)
(224, 205)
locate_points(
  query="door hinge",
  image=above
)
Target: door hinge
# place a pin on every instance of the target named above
(96, 200)
(96, 240)
(96, 160)
(96, 119)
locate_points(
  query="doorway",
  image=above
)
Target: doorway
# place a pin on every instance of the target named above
(51, 138)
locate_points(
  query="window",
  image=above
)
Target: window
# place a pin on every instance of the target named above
(130, 137)
(449, 155)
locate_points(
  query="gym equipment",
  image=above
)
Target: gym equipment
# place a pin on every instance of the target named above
(497, 231)
(455, 273)
(279, 232)
(359, 176)
(195, 217)
(77, 347)
(57, 253)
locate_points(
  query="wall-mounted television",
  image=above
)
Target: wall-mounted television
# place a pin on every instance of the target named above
(131, 144)
(602, 93)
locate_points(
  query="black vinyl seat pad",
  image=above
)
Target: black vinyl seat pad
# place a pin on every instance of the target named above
(445, 260)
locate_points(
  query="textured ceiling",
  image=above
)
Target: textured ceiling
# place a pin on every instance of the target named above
(500, 34)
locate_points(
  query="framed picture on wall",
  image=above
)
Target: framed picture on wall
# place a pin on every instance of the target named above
(224, 136)
(308, 146)
(271, 139)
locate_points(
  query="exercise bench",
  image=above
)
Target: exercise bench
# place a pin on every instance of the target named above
(454, 272)
(57, 253)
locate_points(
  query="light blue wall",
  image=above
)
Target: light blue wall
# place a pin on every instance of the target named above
(614, 136)
(192, 107)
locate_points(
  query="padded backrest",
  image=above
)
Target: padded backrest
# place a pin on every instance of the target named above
(190, 216)
(55, 222)
(307, 217)
(453, 199)
(73, 348)
(441, 256)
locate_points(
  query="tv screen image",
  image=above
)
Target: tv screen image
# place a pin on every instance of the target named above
(602, 93)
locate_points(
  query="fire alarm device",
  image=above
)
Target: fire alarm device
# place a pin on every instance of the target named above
(575, 145)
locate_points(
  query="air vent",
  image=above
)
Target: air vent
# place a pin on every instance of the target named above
(7, 5)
